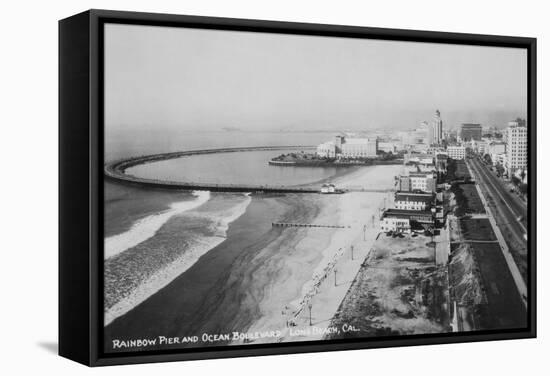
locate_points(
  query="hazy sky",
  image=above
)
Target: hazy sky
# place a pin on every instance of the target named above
(207, 79)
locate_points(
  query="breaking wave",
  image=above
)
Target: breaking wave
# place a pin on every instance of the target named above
(219, 222)
(147, 227)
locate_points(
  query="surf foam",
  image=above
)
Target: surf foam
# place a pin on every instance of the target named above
(201, 245)
(146, 227)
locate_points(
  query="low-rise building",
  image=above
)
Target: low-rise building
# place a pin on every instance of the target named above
(494, 150)
(427, 168)
(456, 152)
(469, 131)
(404, 183)
(399, 220)
(434, 150)
(499, 159)
(413, 201)
(441, 163)
(388, 146)
(359, 148)
(419, 158)
(327, 150)
(418, 181)
(496, 147)
(348, 147)
(424, 182)
(482, 146)
(521, 175)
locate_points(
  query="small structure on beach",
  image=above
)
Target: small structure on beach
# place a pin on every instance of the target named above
(328, 188)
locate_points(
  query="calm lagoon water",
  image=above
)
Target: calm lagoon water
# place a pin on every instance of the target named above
(248, 167)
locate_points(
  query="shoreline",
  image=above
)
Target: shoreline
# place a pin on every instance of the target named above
(320, 290)
(245, 283)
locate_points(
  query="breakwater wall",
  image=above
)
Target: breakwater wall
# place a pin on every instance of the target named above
(116, 171)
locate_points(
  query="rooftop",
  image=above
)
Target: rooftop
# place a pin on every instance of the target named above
(358, 140)
(420, 174)
(403, 213)
(417, 197)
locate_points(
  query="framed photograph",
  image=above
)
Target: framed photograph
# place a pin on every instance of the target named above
(235, 187)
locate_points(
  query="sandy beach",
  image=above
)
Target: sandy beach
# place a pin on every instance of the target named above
(281, 309)
(261, 278)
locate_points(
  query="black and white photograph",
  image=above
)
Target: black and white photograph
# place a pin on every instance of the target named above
(275, 188)
(267, 188)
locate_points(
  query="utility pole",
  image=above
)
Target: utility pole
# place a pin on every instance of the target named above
(310, 305)
(365, 230)
(335, 284)
(352, 252)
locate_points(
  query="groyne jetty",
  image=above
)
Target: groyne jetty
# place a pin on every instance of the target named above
(116, 171)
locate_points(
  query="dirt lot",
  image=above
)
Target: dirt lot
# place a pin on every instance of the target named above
(398, 290)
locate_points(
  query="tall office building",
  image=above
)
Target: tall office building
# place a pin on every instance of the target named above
(469, 132)
(437, 128)
(516, 146)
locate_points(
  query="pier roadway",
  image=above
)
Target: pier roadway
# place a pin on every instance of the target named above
(116, 171)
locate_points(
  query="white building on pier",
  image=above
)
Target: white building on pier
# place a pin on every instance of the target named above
(349, 147)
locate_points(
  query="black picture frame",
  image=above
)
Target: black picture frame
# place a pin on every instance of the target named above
(81, 184)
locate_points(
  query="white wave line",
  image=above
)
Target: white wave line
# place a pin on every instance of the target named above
(147, 227)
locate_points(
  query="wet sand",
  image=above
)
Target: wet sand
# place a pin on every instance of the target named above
(324, 290)
(219, 292)
(256, 279)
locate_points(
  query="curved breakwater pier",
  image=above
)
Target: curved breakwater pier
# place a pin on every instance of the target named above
(116, 170)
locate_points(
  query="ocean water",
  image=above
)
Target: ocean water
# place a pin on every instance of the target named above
(250, 167)
(163, 246)
(147, 227)
(154, 236)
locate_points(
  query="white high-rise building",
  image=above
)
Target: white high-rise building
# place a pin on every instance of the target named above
(516, 147)
(437, 128)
